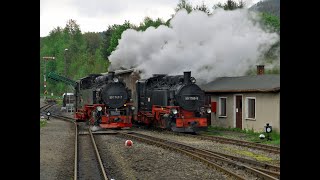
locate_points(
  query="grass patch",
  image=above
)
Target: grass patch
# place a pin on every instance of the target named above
(43, 122)
(258, 157)
(59, 101)
(249, 134)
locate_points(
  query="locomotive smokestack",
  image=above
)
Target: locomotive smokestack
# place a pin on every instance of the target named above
(187, 76)
(111, 75)
(260, 69)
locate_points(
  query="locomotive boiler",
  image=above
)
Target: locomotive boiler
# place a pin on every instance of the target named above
(171, 102)
(104, 100)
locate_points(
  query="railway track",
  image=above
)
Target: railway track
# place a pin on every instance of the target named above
(45, 107)
(252, 145)
(264, 167)
(84, 167)
(217, 161)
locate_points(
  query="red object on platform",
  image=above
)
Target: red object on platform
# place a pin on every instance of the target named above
(128, 143)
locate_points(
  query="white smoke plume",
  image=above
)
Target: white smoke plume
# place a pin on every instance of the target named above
(226, 43)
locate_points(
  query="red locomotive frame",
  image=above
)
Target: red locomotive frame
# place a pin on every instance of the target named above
(107, 120)
(183, 118)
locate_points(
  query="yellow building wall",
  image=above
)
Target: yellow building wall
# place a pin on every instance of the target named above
(267, 111)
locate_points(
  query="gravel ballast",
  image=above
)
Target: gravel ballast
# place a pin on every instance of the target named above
(238, 151)
(143, 161)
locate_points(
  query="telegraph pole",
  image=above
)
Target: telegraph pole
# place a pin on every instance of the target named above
(65, 62)
(65, 66)
(45, 73)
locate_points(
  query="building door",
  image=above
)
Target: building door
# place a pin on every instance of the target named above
(239, 111)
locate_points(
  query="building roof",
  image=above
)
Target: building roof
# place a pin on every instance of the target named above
(120, 71)
(258, 83)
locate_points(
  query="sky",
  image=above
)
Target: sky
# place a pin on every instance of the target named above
(97, 15)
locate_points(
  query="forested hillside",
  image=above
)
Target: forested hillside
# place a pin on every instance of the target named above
(267, 6)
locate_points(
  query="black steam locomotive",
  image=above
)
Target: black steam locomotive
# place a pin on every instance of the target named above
(171, 102)
(104, 100)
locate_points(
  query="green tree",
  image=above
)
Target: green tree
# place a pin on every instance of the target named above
(116, 35)
(147, 22)
(106, 41)
(203, 8)
(84, 55)
(230, 5)
(271, 21)
(183, 4)
(93, 41)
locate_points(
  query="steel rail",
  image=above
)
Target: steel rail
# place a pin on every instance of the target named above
(76, 148)
(98, 156)
(253, 145)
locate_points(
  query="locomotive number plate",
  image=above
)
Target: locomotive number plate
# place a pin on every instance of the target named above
(115, 97)
(191, 98)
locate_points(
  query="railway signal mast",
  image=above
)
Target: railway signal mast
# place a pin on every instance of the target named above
(44, 74)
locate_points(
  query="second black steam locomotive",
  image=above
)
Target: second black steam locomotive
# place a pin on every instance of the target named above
(171, 102)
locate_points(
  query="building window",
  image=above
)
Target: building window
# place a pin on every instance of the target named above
(250, 107)
(222, 106)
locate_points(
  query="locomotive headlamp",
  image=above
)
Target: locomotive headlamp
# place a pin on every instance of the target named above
(208, 110)
(174, 111)
(99, 108)
(115, 79)
(193, 80)
(133, 108)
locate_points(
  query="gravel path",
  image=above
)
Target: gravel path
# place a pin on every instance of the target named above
(143, 161)
(56, 150)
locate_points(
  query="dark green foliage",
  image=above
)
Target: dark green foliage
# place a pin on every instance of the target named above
(183, 4)
(267, 6)
(271, 21)
(84, 55)
(203, 8)
(116, 35)
(149, 22)
(93, 41)
(230, 5)
(106, 41)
